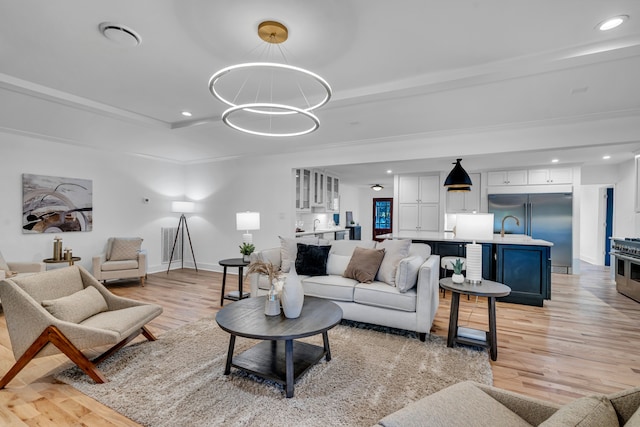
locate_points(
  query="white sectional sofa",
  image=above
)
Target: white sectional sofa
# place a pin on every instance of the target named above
(408, 300)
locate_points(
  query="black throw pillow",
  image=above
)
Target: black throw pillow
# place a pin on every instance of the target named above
(312, 260)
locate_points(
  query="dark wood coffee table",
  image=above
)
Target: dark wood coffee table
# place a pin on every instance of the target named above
(279, 357)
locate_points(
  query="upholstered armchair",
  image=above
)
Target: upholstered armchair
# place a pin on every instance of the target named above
(122, 259)
(66, 311)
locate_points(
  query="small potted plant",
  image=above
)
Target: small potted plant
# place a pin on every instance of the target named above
(247, 249)
(458, 266)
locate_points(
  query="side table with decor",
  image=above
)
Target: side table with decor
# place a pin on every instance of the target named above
(468, 336)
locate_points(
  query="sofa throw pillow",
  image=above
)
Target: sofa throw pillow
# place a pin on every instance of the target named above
(364, 264)
(311, 260)
(337, 264)
(77, 306)
(590, 411)
(394, 251)
(123, 249)
(289, 249)
(407, 272)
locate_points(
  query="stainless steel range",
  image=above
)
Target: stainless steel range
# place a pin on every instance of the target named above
(627, 266)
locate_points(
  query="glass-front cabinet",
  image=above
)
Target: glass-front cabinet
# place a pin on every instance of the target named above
(303, 190)
(333, 194)
(318, 188)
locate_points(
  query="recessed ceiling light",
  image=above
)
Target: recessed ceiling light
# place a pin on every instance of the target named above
(611, 23)
(555, 161)
(186, 114)
(607, 157)
(389, 171)
(119, 34)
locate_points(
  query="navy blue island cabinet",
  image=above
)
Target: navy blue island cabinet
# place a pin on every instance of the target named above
(526, 270)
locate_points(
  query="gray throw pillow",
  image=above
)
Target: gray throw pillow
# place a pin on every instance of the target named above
(394, 251)
(78, 306)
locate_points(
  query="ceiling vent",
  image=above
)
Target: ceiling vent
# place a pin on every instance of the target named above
(119, 34)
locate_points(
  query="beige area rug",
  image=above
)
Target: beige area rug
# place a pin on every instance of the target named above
(179, 380)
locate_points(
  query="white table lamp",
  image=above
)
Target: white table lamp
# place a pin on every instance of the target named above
(247, 221)
(476, 226)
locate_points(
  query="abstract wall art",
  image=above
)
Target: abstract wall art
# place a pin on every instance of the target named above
(53, 204)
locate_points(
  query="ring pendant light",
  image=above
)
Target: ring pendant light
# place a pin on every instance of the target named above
(276, 104)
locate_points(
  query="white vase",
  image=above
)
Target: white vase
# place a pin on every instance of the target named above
(457, 278)
(292, 296)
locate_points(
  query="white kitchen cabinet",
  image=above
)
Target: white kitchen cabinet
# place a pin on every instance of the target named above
(513, 177)
(419, 202)
(419, 189)
(465, 201)
(419, 217)
(551, 176)
(303, 190)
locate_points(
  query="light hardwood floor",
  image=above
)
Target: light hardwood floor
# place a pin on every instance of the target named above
(585, 340)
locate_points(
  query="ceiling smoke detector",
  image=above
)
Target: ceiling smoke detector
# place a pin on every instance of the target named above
(119, 34)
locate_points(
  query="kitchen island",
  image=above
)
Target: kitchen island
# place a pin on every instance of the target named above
(518, 261)
(320, 232)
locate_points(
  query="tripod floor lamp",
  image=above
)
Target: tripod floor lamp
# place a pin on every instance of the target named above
(182, 208)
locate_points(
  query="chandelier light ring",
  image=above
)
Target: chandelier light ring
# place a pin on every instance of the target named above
(269, 65)
(262, 108)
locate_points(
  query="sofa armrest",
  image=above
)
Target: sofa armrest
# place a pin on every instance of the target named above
(27, 267)
(96, 264)
(534, 411)
(427, 289)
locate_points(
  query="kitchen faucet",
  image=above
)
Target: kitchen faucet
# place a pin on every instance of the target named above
(314, 223)
(508, 216)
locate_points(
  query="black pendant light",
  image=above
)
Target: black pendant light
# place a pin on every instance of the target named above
(458, 179)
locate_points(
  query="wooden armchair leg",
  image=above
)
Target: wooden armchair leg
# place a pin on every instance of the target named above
(142, 280)
(53, 335)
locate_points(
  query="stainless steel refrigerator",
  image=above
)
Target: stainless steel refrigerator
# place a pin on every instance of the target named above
(542, 216)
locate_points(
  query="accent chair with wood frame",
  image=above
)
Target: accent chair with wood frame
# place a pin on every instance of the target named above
(66, 311)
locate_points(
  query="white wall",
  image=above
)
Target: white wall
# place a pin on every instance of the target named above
(591, 225)
(626, 222)
(119, 185)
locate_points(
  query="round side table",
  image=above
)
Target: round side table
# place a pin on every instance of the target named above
(468, 336)
(239, 263)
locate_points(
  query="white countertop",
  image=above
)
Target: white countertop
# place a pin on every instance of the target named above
(508, 239)
(320, 231)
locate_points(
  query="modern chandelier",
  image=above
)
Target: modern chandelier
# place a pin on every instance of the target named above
(270, 98)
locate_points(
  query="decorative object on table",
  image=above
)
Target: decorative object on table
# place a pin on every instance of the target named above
(286, 107)
(272, 303)
(182, 208)
(246, 249)
(458, 179)
(57, 248)
(247, 221)
(67, 254)
(55, 204)
(475, 226)
(292, 294)
(457, 271)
